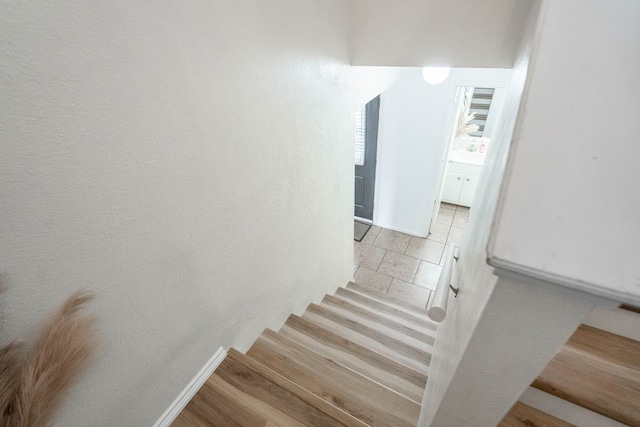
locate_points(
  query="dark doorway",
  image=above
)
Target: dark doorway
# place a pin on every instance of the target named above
(366, 158)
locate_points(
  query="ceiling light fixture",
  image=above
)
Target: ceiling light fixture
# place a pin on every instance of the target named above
(435, 75)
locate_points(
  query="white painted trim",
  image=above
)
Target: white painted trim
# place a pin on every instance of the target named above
(523, 271)
(401, 230)
(192, 388)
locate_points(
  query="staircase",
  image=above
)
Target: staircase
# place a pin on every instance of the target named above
(595, 370)
(360, 358)
(356, 359)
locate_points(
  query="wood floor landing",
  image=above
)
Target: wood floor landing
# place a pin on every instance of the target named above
(360, 358)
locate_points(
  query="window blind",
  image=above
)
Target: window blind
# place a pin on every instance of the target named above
(361, 123)
(480, 104)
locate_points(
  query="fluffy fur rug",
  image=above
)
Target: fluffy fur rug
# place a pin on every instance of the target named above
(36, 376)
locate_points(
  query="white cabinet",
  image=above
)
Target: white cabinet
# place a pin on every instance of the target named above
(460, 183)
(468, 189)
(452, 187)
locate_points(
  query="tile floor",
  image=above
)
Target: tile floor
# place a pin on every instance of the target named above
(404, 266)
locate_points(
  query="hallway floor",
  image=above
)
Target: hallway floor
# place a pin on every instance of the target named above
(403, 266)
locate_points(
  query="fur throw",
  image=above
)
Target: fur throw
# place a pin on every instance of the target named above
(35, 377)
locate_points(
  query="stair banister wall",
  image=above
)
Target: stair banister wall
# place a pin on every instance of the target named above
(456, 333)
(568, 213)
(496, 338)
(507, 323)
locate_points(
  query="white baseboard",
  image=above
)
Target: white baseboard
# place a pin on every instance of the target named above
(192, 388)
(402, 230)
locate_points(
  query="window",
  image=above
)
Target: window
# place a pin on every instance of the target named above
(480, 104)
(361, 123)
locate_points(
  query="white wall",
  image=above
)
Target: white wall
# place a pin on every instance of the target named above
(447, 401)
(411, 136)
(462, 33)
(558, 188)
(415, 121)
(572, 189)
(190, 162)
(369, 82)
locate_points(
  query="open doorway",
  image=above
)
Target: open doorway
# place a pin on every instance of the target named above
(477, 110)
(414, 125)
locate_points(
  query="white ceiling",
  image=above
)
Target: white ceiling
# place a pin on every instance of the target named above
(457, 33)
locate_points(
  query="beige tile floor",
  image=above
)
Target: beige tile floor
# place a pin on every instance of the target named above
(404, 266)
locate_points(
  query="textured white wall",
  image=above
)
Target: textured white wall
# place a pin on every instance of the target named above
(461, 33)
(572, 192)
(190, 162)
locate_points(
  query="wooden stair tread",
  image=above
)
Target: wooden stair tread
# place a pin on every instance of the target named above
(317, 402)
(376, 344)
(398, 345)
(410, 308)
(522, 415)
(364, 399)
(399, 324)
(249, 381)
(361, 358)
(389, 327)
(393, 375)
(385, 307)
(385, 310)
(599, 371)
(218, 403)
(607, 346)
(363, 352)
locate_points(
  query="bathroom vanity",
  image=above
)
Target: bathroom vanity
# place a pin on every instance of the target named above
(461, 179)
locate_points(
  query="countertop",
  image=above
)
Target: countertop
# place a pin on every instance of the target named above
(467, 157)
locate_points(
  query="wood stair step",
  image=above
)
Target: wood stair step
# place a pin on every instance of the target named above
(386, 308)
(249, 380)
(343, 418)
(364, 399)
(392, 328)
(377, 344)
(399, 378)
(363, 352)
(218, 403)
(394, 341)
(364, 311)
(409, 308)
(522, 415)
(599, 371)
